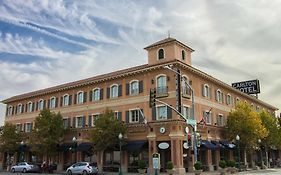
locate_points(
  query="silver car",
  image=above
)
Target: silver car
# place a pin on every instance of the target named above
(21, 167)
(82, 168)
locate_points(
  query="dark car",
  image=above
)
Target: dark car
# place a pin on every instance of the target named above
(35, 169)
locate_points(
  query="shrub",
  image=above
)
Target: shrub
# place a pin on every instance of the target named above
(198, 165)
(230, 163)
(141, 164)
(169, 165)
(222, 163)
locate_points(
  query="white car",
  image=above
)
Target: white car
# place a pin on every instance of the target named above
(21, 167)
(82, 168)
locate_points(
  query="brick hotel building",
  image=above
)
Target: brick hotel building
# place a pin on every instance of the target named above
(126, 92)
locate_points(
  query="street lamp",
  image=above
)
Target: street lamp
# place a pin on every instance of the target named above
(193, 113)
(238, 149)
(259, 140)
(120, 136)
(74, 141)
(21, 151)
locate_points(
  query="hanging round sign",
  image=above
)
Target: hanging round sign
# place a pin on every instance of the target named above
(162, 130)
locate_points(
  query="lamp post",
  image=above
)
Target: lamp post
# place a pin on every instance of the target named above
(74, 141)
(193, 114)
(120, 137)
(21, 151)
(238, 150)
(259, 140)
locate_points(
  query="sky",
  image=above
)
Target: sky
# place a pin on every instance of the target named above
(45, 43)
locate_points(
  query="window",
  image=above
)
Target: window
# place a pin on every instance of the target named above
(134, 87)
(96, 95)
(52, 102)
(18, 127)
(95, 117)
(183, 55)
(185, 88)
(161, 84)
(208, 117)
(219, 95)
(186, 111)
(206, 91)
(19, 108)
(229, 99)
(41, 104)
(65, 100)
(134, 116)
(220, 120)
(28, 127)
(79, 122)
(237, 100)
(258, 108)
(65, 123)
(10, 110)
(80, 97)
(161, 113)
(114, 91)
(118, 115)
(29, 107)
(160, 54)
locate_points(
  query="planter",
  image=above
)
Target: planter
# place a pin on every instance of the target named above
(197, 172)
(170, 171)
(222, 171)
(141, 171)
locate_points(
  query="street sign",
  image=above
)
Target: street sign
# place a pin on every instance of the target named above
(191, 122)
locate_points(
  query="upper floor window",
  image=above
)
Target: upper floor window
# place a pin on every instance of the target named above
(94, 118)
(114, 91)
(65, 100)
(118, 115)
(134, 116)
(206, 91)
(162, 112)
(161, 54)
(161, 84)
(186, 111)
(52, 102)
(220, 120)
(28, 127)
(19, 108)
(10, 110)
(183, 55)
(65, 122)
(79, 122)
(96, 94)
(30, 107)
(41, 104)
(229, 99)
(134, 87)
(208, 117)
(219, 96)
(18, 127)
(237, 100)
(185, 86)
(80, 97)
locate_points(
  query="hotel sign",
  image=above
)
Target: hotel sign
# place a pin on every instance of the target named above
(248, 87)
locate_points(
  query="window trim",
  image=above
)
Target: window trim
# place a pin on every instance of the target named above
(219, 95)
(111, 92)
(206, 92)
(65, 118)
(28, 107)
(50, 105)
(183, 54)
(93, 94)
(93, 118)
(77, 99)
(130, 115)
(10, 110)
(223, 123)
(76, 121)
(210, 115)
(27, 128)
(39, 101)
(20, 111)
(130, 87)
(163, 53)
(228, 97)
(63, 100)
(157, 115)
(189, 107)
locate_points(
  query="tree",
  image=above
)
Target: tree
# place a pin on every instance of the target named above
(246, 123)
(10, 139)
(105, 133)
(47, 132)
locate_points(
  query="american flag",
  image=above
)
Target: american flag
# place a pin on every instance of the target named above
(204, 118)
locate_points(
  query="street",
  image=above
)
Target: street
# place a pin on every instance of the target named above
(256, 172)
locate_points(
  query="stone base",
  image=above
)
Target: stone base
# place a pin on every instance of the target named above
(180, 171)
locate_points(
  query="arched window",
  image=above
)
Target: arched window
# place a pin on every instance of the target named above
(134, 87)
(183, 55)
(237, 100)
(160, 54)
(206, 91)
(161, 84)
(10, 110)
(41, 104)
(228, 99)
(19, 108)
(96, 94)
(114, 91)
(29, 107)
(80, 97)
(185, 86)
(65, 100)
(52, 102)
(219, 96)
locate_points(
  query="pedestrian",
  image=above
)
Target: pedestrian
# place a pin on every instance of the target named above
(44, 166)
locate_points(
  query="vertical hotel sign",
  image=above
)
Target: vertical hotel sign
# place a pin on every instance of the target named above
(248, 87)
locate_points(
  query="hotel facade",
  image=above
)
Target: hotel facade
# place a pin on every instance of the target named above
(149, 130)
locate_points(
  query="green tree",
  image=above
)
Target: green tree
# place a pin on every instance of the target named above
(246, 123)
(106, 131)
(10, 139)
(47, 132)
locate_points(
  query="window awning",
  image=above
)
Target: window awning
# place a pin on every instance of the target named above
(208, 144)
(132, 146)
(228, 145)
(65, 147)
(85, 146)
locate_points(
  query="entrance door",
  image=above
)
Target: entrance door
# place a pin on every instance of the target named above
(165, 156)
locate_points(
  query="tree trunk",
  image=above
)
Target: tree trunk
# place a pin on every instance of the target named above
(266, 157)
(245, 158)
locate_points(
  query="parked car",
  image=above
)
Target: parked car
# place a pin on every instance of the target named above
(21, 167)
(36, 168)
(83, 168)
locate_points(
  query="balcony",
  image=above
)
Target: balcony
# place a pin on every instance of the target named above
(162, 91)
